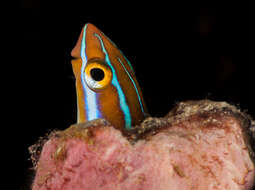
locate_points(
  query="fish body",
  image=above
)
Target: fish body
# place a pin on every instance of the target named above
(106, 85)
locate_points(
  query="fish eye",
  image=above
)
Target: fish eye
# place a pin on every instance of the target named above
(97, 74)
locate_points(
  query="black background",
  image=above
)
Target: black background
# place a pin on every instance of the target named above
(179, 52)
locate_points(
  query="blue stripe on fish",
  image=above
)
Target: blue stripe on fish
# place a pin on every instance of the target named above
(139, 98)
(123, 104)
(90, 98)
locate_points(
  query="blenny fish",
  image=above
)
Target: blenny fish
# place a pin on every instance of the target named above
(106, 85)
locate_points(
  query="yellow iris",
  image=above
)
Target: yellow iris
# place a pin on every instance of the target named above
(97, 75)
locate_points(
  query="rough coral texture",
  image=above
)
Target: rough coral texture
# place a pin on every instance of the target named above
(198, 145)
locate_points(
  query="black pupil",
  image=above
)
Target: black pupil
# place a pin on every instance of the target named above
(97, 74)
